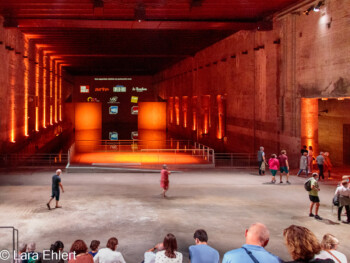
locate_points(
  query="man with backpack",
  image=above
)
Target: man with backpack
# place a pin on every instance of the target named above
(312, 187)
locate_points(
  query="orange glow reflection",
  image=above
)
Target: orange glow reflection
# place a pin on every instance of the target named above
(220, 133)
(177, 110)
(185, 110)
(26, 86)
(206, 113)
(171, 110)
(44, 91)
(60, 92)
(56, 92)
(309, 123)
(152, 116)
(51, 93)
(194, 113)
(37, 92)
(12, 107)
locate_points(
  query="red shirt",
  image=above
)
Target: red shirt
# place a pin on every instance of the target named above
(283, 158)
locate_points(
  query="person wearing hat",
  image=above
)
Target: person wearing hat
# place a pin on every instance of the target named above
(164, 180)
(343, 192)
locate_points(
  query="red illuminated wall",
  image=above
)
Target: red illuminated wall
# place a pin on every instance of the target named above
(152, 116)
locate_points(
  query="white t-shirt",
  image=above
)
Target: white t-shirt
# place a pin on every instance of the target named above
(162, 258)
(325, 255)
(107, 255)
(150, 257)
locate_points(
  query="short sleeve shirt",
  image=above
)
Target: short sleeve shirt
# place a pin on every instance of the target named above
(55, 183)
(203, 254)
(313, 192)
(282, 159)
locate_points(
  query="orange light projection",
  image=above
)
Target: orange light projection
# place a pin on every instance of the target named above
(37, 91)
(171, 110)
(44, 91)
(12, 107)
(206, 113)
(194, 113)
(56, 92)
(177, 110)
(51, 95)
(26, 86)
(309, 123)
(152, 116)
(185, 110)
(220, 132)
(88, 116)
(60, 93)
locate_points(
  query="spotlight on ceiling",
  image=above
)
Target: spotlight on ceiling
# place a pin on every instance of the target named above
(318, 6)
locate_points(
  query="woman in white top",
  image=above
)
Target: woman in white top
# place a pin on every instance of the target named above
(108, 254)
(329, 245)
(169, 254)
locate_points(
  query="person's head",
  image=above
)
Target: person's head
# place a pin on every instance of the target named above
(257, 235)
(301, 242)
(304, 147)
(165, 166)
(112, 243)
(315, 175)
(329, 242)
(94, 245)
(58, 172)
(57, 246)
(22, 247)
(31, 247)
(170, 245)
(345, 183)
(273, 155)
(261, 148)
(200, 236)
(283, 152)
(310, 147)
(326, 154)
(305, 153)
(78, 247)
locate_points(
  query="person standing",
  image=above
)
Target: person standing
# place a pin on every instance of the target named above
(284, 165)
(310, 159)
(56, 185)
(164, 180)
(327, 165)
(313, 196)
(273, 164)
(320, 162)
(303, 150)
(261, 160)
(257, 237)
(343, 192)
(303, 164)
(201, 252)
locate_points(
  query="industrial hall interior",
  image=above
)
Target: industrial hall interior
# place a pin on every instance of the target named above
(158, 131)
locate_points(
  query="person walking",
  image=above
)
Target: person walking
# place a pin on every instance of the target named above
(327, 165)
(164, 180)
(303, 164)
(343, 192)
(320, 163)
(284, 165)
(261, 160)
(56, 185)
(313, 196)
(274, 165)
(310, 159)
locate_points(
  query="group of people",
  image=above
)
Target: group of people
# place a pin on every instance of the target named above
(275, 163)
(323, 161)
(301, 244)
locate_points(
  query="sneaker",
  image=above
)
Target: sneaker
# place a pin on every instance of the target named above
(318, 217)
(311, 215)
(281, 182)
(288, 182)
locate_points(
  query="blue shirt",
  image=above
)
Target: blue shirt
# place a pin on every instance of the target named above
(203, 254)
(239, 255)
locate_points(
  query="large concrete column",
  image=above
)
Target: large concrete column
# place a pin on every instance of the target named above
(309, 123)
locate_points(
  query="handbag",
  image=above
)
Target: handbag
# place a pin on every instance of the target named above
(336, 200)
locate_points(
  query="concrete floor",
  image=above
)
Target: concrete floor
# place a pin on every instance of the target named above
(222, 201)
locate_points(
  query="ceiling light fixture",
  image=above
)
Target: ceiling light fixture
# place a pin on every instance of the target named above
(318, 6)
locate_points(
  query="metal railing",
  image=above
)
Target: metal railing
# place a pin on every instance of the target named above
(14, 241)
(39, 159)
(235, 160)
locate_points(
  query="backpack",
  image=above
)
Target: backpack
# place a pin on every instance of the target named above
(307, 185)
(336, 200)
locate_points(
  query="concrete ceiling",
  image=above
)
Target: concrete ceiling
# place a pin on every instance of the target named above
(132, 37)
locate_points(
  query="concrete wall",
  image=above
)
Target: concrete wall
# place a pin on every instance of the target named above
(332, 117)
(23, 125)
(263, 76)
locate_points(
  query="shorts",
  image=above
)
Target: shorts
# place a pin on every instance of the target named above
(284, 169)
(273, 172)
(56, 194)
(314, 199)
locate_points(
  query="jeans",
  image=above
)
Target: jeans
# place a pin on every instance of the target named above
(347, 208)
(320, 167)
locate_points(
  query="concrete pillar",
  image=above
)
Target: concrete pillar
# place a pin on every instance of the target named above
(309, 123)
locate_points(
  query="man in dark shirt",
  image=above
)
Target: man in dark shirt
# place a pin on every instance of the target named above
(56, 184)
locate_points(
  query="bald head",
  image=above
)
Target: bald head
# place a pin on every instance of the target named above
(58, 171)
(257, 235)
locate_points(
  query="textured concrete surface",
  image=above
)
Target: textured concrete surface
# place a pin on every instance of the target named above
(98, 206)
